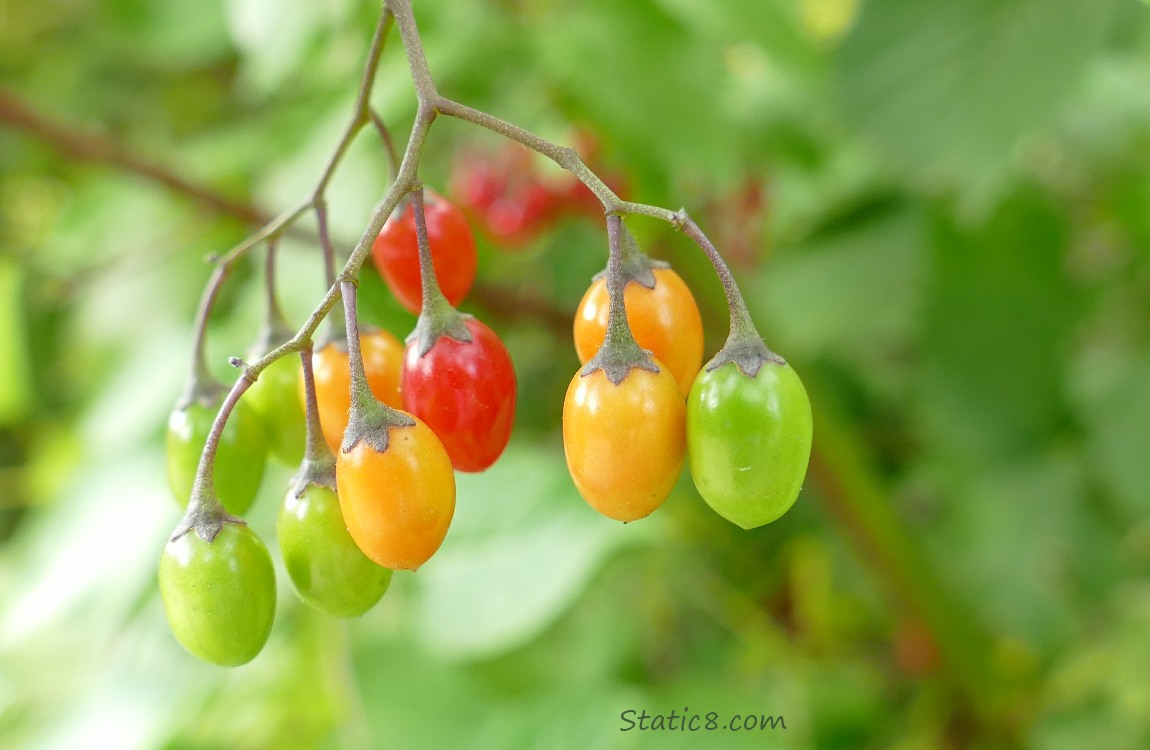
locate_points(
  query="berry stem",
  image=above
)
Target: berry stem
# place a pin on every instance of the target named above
(335, 329)
(387, 140)
(620, 353)
(202, 385)
(318, 465)
(361, 115)
(429, 283)
(325, 242)
(437, 316)
(276, 329)
(361, 394)
(618, 328)
(205, 514)
(744, 346)
(370, 421)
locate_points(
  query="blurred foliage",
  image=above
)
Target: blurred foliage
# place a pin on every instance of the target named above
(952, 245)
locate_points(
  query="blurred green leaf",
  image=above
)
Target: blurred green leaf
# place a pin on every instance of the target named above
(820, 297)
(522, 545)
(1116, 417)
(15, 389)
(1019, 542)
(949, 89)
(996, 330)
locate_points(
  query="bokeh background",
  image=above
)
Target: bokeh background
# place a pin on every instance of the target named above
(939, 212)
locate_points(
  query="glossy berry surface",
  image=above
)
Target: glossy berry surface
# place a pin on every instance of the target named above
(240, 458)
(664, 319)
(749, 441)
(273, 397)
(465, 392)
(624, 443)
(452, 245)
(219, 597)
(326, 567)
(397, 503)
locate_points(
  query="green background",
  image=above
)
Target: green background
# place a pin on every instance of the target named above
(953, 250)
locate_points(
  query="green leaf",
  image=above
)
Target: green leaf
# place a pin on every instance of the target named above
(522, 546)
(1018, 540)
(1116, 422)
(853, 294)
(948, 89)
(15, 387)
(997, 322)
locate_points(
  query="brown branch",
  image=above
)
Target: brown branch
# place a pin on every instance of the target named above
(99, 149)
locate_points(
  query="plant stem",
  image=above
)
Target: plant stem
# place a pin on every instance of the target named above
(429, 284)
(361, 393)
(370, 420)
(413, 46)
(620, 353)
(361, 115)
(388, 142)
(744, 346)
(742, 326)
(437, 316)
(335, 329)
(205, 514)
(276, 328)
(202, 381)
(316, 445)
(318, 462)
(325, 242)
(618, 328)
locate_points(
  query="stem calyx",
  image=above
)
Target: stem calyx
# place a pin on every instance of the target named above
(205, 515)
(637, 266)
(371, 422)
(620, 353)
(319, 472)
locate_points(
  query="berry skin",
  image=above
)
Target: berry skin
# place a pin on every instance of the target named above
(749, 441)
(397, 503)
(219, 596)
(624, 443)
(328, 570)
(664, 320)
(465, 392)
(240, 457)
(382, 361)
(453, 253)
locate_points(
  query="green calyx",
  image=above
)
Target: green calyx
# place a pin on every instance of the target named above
(747, 352)
(618, 356)
(319, 472)
(205, 515)
(371, 422)
(204, 390)
(620, 353)
(437, 319)
(636, 265)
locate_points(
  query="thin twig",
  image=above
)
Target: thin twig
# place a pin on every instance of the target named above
(100, 149)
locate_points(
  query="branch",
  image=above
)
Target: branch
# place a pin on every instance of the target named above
(99, 149)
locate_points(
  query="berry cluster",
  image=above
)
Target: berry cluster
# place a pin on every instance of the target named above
(746, 425)
(513, 201)
(378, 427)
